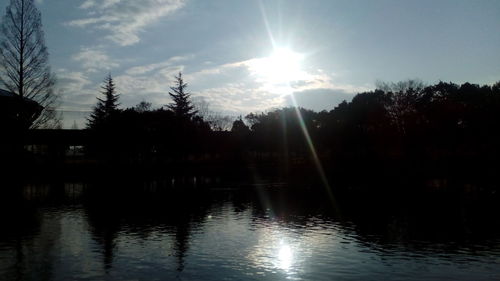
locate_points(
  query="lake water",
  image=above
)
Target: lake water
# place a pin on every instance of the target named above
(78, 231)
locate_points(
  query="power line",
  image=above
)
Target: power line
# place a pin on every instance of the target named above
(78, 111)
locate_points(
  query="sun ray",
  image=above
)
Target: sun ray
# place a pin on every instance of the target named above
(266, 23)
(312, 149)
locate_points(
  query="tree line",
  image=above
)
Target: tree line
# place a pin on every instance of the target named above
(405, 126)
(398, 127)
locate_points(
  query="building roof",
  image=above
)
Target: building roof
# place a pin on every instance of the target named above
(12, 97)
(4, 93)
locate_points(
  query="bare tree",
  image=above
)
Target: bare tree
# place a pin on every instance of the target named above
(404, 96)
(202, 107)
(24, 67)
(143, 106)
(217, 120)
(220, 122)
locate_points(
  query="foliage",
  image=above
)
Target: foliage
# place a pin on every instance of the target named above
(404, 126)
(239, 127)
(105, 108)
(404, 129)
(181, 105)
(143, 106)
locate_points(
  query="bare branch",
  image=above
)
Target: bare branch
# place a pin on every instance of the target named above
(24, 66)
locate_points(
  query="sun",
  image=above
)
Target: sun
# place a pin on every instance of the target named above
(283, 66)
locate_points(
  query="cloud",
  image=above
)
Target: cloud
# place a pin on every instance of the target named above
(140, 83)
(93, 60)
(318, 99)
(234, 88)
(239, 98)
(78, 93)
(222, 86)
(88, 4)
(245, 87)
(281, 83)
(143, 69)
(124, 19)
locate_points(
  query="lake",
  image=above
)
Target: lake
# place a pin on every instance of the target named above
(157, 231)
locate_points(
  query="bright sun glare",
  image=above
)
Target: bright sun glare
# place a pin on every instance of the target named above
(285, 257)
(282, 66)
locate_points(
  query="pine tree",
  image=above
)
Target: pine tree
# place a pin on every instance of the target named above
(104, 107)
(239, 127)
(181, 105)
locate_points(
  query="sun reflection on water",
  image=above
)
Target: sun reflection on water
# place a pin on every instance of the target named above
(285, 256)
(275, 253)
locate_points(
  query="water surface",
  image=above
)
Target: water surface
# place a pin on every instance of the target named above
(78, 231)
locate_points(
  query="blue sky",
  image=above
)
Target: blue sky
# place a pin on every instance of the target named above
(227, 48)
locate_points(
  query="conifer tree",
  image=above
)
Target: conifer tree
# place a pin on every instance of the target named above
(105, 107)
(181, 105)
(239, 127)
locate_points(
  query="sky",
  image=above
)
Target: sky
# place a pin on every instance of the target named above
(241, 56)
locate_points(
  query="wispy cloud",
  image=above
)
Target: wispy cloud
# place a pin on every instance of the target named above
(78, 93)
(88, 4)
(242, 87)
(94, 59)
(233, 88)
(143, 69)
(124, 19)
(238, 98)
(142, 84)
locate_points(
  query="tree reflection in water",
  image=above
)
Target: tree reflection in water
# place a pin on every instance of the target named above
(211, 235)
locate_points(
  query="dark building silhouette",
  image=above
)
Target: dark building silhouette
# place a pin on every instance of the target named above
(17, 113)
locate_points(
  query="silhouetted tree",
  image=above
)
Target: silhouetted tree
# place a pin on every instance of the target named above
(283, 130)
(216, 120)
(181, 104)
(74, 126)
(239, 127)
(219, 122)
(202, 107)
(24, 65)
(401, 129)
(402, 102)
(105, 107)
(143, 106)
